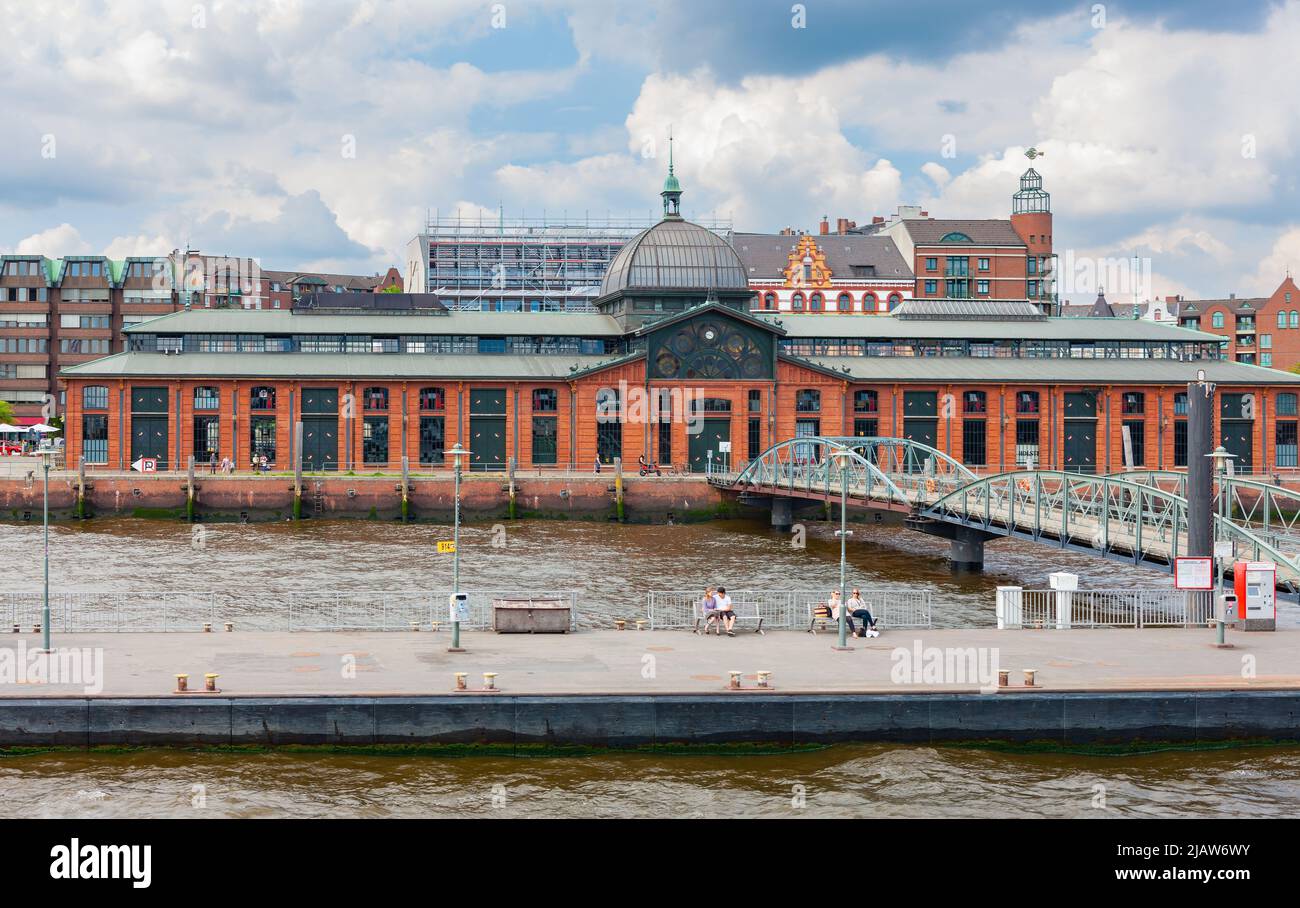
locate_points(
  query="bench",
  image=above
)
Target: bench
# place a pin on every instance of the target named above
(745, 612)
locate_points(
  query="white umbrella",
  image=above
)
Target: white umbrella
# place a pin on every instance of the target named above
(5, 428)
(43, 428)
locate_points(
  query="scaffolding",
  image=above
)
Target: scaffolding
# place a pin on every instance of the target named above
(526, 264)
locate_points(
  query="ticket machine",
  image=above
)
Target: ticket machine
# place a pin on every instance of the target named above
(1255, 584)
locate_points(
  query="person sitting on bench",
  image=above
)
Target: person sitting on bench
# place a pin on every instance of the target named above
(858, 609)
(709, 609)
(725, 612)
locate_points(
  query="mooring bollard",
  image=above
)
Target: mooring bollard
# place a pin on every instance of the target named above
(182, 683)
(640, 624)
(460, 680)
(230, 626)
(207, 627)
(620, 623)
(765, 679)
(489, 680)
(1004, 677)
(1030, 674)
(210, 681)
(735, 680)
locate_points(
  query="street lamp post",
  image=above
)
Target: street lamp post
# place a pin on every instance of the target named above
(456, 452)
(1222, 469)
(46, 454)
(842, 457)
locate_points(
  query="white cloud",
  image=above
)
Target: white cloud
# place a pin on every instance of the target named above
(54, 242)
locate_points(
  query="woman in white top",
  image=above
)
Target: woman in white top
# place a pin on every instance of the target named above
(858, 609)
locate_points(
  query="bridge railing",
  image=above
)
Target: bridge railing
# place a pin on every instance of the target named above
(147, 612)
(1059, 609)
(789, 609)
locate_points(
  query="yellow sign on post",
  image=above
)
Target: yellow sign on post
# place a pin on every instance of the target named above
(446, 548)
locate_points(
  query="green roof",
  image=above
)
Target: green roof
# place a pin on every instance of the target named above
(412, 366)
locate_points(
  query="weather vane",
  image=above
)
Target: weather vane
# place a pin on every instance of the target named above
(1034, 153)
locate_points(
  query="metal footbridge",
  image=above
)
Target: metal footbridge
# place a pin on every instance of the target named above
(1139, 517)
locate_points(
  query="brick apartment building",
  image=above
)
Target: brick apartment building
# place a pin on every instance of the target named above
(1263, 331)
(987, 259)
(55, 313)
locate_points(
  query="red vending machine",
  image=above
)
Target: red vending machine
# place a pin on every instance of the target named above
(1255, 583)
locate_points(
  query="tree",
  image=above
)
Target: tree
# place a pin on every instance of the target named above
(6, 412)
(391, 288)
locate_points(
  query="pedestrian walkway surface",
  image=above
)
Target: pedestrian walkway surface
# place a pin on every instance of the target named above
(651, 662)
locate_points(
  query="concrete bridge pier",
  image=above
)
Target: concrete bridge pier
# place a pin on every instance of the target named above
(782, 514)
(966, 552)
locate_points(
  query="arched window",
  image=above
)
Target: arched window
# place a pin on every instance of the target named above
(869, 302)
(808, 400)
(1295, 319)
(769, 300)
(894, 300)
(262, 398)
(433, 399)
(206, 398)
(376, 398)
(844, 303)
(955, 237)
(815, 303)
(796, 301)
(1217, 320)
(1281, 318)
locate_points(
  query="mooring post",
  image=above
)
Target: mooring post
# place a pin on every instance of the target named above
(81, 488)
(618, 488)
(406, 488)
(189, 490)
(513, 490)
(297, 470)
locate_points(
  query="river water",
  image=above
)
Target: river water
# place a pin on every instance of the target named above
(611, 568)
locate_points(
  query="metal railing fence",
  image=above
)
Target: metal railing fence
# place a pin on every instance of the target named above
(790, 608)
(135, 611)
(1062, 609)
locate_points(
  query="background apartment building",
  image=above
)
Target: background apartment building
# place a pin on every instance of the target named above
(57, 312)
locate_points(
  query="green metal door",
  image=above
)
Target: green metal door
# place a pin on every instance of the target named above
(922, 431)
(320, 443)
(1080, 446)
(149, 439)
(487, 442)
(1238, 439)
(713, 431)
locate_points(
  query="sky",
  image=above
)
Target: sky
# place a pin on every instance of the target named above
(319, 134)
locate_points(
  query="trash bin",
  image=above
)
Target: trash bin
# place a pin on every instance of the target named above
(531, 616)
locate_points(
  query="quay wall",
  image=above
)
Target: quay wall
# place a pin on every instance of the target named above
(1055, 718)
(271, 497)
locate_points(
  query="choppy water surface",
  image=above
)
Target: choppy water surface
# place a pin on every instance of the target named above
(835, 782)
(611, 567)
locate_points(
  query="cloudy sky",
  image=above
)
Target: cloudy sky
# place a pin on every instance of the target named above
(317, 133)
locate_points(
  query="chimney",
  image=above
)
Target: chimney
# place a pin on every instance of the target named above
(878, 219)
(925, 214)
(825, 225)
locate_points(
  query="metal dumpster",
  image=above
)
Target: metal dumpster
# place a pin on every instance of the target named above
(549, 615)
